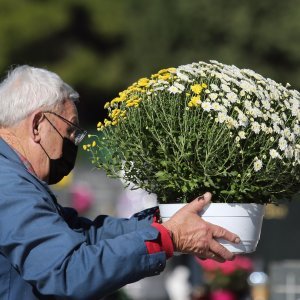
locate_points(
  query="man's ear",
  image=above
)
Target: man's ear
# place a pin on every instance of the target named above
(36, 120)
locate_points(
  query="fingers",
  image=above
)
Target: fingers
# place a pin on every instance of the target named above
(199, 203)
(211, 255)
(221, 251)
(220, 232)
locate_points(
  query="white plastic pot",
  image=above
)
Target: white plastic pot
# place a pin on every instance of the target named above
(245, 220)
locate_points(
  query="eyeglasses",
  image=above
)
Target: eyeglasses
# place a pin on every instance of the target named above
(78, 132)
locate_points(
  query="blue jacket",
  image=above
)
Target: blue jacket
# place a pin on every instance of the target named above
(49, 252)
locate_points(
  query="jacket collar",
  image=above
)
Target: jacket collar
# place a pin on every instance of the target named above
(9, 153)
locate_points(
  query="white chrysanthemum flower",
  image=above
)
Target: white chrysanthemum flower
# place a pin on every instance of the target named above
(289, 135)
(297, 153)
(286, 132)
(256, 103)
(223, 109)
(242, 134)
(235, 123)
(213, 96)
(248, 105)
(282, 144)
(266, 104)
(225, 78)
(255, 112)
(216, 106)
(255, 127)
(264, 127)
(287, 104)
(265, 117)
(222, 117)
(284, 116)
(274, 153)
(225, 88)
(242, 93)
(230, 122)
(295, 111)
(295, 103)
(232, 97)
(257, 164)
(180, 86)
(174, 90)
(274, 95)
(243, 120)
(190, 68)
(289, 152)
(225, 102)
(275, 118)
(276, 128)
(161, 82)
(157, 88)
(183, 77)
(206, 106)
(247, 86)
(296, 129)
(270, 130)
(214, 87)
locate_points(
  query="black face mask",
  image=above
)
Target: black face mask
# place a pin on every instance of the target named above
(62, 166)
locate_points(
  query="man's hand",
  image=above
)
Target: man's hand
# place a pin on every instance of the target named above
(191, 234)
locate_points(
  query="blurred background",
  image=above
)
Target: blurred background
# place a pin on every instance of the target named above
(101, 46)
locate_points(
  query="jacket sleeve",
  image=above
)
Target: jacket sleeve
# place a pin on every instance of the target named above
(106, 227)
(62, 261)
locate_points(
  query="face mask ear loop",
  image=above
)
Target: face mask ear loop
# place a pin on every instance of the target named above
(53, 126)
(45, 151)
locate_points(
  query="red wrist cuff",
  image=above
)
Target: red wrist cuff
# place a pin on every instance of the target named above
(162, 243)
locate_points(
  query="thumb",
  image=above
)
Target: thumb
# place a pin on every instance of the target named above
(199, 203)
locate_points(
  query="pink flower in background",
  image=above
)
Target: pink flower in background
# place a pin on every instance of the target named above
(82, 198)
(228, 267)
(228, 280)
(222, 295)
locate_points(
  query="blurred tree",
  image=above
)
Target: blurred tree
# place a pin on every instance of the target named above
(102, 46)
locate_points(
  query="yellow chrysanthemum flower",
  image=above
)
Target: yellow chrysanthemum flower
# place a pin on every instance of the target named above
(165, 76)
(172, 70)
(143, 82)
(115, 113)
(195, 101)
(107, 122)
(154, 76)
(162, 71)
(107, 105)
(197, 88)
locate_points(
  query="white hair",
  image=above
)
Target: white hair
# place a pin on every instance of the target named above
(26, 89)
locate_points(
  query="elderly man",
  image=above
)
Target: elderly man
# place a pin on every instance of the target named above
(48, 251)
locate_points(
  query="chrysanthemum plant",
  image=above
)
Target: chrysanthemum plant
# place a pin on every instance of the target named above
(203, 127)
